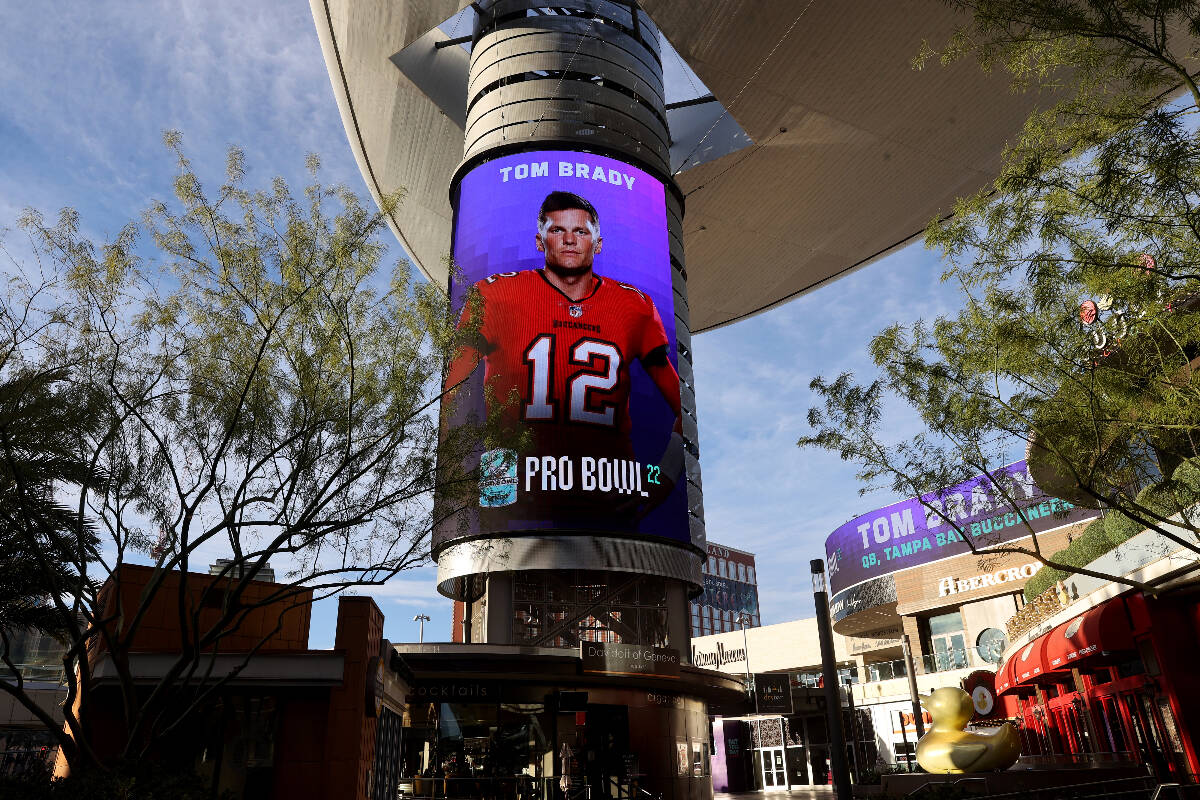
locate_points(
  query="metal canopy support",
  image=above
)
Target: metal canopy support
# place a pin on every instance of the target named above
(452, 42)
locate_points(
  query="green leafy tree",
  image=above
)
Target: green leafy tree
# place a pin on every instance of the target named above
(42, 420)
(1079, 271)
(236, 376)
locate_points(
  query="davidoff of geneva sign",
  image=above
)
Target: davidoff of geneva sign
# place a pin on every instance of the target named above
(628, 659)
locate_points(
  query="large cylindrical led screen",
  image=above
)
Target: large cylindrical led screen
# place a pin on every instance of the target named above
(563, 281)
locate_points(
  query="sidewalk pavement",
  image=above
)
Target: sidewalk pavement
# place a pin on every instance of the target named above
(807, 793)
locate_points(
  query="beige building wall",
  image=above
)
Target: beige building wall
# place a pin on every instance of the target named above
(986, 602)
(784, 647)
(941, 587)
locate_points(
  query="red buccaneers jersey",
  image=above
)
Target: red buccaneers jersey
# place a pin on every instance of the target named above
(567, 360)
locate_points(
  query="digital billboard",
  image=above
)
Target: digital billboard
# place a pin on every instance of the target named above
(915, 532)
(564, 285)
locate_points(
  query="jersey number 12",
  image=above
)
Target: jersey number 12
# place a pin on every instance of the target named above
(539, 355)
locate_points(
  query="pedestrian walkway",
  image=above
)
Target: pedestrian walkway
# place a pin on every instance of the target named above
(807, 793)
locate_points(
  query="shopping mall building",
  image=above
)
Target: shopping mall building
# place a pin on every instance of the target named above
(1096, 671)
(579, 571)
(895, 575)
(1094, 674)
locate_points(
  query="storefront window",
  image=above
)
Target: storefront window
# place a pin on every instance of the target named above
(511, 748)
(948, 641)
(809, 680)
(467, 741)
(37, 655)
(886, 670)
(991, 645)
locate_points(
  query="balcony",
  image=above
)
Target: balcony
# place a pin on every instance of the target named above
(1037, 611)
(881, 671)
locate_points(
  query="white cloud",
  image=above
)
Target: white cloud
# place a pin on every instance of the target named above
(762, 493)
(404, 591)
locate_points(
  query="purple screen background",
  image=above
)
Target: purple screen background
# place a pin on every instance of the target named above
(495, 226)
(844, 547)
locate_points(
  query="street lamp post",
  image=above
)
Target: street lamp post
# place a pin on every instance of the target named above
(833, 698)
(742, 619)
(918, 715)
(421, 619)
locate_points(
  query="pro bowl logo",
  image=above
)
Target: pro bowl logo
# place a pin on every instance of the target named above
(834, 562)
(498, 478)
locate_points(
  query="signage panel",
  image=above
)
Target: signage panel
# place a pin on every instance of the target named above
(732, 596)
(916, 531)
(565, 286)
(871, 593)
(773, 693)
(463, 691)
(718, 657)
(877, 641)
(629, 659)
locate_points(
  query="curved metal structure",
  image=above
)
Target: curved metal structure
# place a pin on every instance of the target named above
(822, 151)
(588, 77)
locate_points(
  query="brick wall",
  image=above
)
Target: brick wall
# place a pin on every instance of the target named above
(350, 732)
(278, 626)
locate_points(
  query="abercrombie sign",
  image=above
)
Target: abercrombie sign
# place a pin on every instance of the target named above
(629, 659)
(952, 585)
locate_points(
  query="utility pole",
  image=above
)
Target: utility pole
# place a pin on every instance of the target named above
(833, 690)
(742, 619)
(421, 619)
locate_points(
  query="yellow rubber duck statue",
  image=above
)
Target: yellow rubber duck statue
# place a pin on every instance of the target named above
(946, 747)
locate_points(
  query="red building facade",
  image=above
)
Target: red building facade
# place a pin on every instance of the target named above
(1114, 684)
(287, 721)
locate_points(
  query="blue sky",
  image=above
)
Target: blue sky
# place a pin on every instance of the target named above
(86, 90)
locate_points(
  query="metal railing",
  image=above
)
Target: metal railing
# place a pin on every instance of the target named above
(917, 792)
(877, 671)
(1133, 788)
(1137, 788)
(1176, 791)
(1120, 758)
(40, 673)
(964, 658)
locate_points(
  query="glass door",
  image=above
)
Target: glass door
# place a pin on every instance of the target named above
(1161, 735)
(774, 768)
(797, 762)
(948, 641)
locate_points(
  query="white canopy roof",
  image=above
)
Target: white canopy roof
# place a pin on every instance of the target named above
(854, 151)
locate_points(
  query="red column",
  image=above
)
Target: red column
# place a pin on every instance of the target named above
(1174, 627)
(350, 735)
